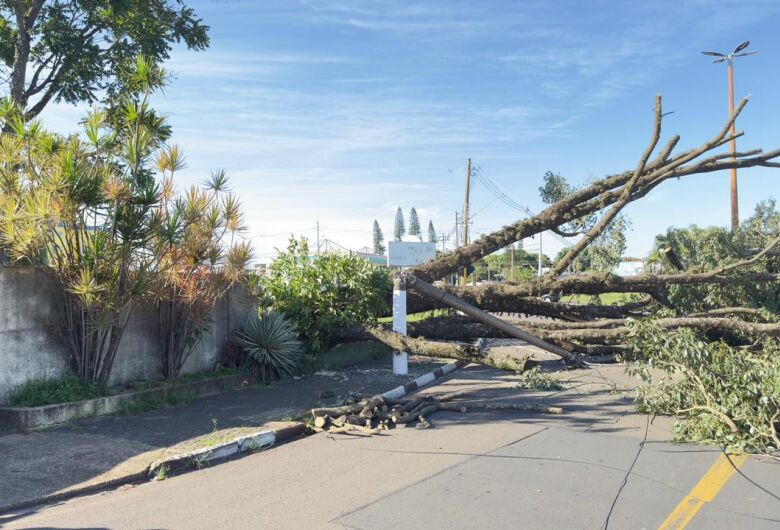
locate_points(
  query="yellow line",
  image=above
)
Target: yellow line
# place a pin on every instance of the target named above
(706, 490)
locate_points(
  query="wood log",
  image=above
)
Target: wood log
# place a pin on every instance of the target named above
(447, 350)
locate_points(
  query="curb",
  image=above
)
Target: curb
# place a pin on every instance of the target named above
(249, 442)
(256, 441)
(193, 460)
(424, 380)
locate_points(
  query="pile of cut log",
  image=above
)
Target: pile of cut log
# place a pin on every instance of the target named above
(378, 413)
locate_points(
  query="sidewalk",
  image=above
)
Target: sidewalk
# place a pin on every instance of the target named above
(108, 450)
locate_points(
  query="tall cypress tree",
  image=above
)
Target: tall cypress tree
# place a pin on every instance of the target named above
(431, 233)
(399, 229)
(379, 248)
(414, 224)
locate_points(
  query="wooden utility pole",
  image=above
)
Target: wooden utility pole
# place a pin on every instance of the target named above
(318, 238)
(466, 216)
(457, 234)
(512, 262)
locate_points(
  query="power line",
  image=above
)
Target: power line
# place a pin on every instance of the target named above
(508, 200)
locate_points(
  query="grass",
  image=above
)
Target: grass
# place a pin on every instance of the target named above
(53, 390)
(147, 403)
(416, 317)
(69, 388)
(604, 299)
(350, 354)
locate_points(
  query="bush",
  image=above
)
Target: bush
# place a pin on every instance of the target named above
(323, 294)
(51, 391)
(722, 394)
(271, 346)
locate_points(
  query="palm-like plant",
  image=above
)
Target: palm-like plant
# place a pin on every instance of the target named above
(271, 346)
(201, 260)
(82, 209)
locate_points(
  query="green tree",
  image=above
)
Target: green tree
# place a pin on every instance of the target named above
(700, 249)
(414, 223)
(431, 233)
(606, 250)
(379, 238)
(78, 50)
(398, 228)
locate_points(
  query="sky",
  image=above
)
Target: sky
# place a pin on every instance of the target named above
(340, 111)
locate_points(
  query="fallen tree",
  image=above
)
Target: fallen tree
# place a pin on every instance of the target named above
(615, 191)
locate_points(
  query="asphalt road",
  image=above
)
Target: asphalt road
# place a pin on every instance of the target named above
(598, 466)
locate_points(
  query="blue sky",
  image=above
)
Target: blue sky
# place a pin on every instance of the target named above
(342, 110)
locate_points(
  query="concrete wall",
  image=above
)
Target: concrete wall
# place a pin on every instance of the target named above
(31, 346)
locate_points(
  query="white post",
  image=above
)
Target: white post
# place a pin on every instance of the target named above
(400, 358)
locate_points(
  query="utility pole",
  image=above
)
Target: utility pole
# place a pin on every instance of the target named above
(729, 59)
(318, 239)
(466, 216)
(540, 255)
(512, 262)
(443, 239)
(457, 234)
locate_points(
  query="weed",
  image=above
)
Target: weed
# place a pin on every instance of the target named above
(161, 473)
(147, 403)
(53, 390)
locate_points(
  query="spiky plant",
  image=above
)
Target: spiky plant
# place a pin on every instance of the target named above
(81, 208)
(201, 261)
(271, 346)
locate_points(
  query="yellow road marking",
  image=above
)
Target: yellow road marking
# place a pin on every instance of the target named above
(706, 490)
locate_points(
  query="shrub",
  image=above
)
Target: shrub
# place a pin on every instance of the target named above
(51, 391)
(722, 394)
(323, 294)
(271, 346)
(200, 261)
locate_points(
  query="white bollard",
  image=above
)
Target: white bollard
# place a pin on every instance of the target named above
(400, 358)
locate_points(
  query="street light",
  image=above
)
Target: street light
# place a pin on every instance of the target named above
(729, 58)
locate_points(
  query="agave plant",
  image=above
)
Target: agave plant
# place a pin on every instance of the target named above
(271, 345)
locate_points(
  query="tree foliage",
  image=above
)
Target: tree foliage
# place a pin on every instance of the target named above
(603, 254)
(722, 394)
(200, 258)
(378, 239)
(76, 50)
(696, 249)
(414, 223)
(323, 294)
(399, 229)
(431, 233)
(85, 210)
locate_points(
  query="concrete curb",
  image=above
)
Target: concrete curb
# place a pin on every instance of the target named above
(264, 439)
(259, 440)
(192, 460)
(424, 380)
(31, 418)
(249, 442)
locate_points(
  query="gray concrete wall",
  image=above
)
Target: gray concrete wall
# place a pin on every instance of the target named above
(31, 346)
